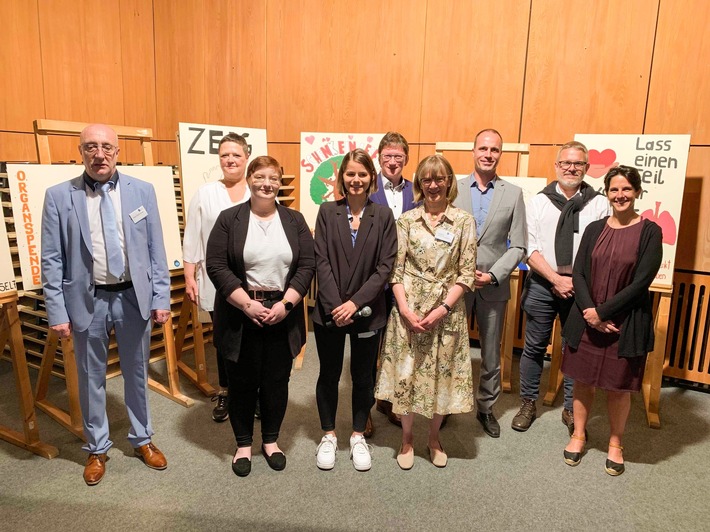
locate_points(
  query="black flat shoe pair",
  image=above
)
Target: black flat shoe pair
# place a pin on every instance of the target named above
(277, 460)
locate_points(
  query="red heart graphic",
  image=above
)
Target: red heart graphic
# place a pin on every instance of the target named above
(310, 139)
(600, 163)
(369, 139)
(351, 137)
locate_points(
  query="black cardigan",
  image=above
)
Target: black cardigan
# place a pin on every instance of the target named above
(636, 332)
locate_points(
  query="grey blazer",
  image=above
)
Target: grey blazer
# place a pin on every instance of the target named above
(505, 221)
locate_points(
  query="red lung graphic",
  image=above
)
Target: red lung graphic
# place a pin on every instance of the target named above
(665, 220)
(601, 162)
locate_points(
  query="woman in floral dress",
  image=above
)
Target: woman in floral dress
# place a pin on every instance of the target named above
(426, 365)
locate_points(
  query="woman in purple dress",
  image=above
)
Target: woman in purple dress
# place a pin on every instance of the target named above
(609, 331)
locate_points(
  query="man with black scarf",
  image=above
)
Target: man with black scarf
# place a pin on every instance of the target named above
(557, 218)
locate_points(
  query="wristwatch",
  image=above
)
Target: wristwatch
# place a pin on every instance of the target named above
(287, 305)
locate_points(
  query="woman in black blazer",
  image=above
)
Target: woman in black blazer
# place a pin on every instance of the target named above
(356, 245)
(260, 259)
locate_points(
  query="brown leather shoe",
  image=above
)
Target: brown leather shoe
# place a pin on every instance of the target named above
(95, 468)
(568, 420)
(525, 416)
(386, 408)
(151, 456)
(369, 427)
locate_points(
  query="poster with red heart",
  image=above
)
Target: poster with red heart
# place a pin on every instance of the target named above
(321, 155)
(661, 161)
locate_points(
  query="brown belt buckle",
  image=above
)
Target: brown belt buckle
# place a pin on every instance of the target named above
(259, 295)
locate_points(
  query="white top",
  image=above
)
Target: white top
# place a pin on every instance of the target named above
(267, 254)
(209, 200)
(395, 198)
(98, 245)
(542, 218)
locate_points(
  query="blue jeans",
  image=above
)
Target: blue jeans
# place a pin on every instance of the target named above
(541, 308)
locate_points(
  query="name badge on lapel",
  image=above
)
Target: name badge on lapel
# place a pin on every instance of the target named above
(444, 236)
(138, 214)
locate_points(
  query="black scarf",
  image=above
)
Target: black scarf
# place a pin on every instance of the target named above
(568, 223)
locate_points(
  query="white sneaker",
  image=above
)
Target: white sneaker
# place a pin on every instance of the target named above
(325, 452)
(360, 453)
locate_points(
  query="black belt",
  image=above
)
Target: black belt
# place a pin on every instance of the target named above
(118, 287)
(265, 295)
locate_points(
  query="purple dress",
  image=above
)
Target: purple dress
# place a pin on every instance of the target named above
(596, 362)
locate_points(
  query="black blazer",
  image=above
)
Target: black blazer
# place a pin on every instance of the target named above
(636, 332)
(357, 274)
(225, 267)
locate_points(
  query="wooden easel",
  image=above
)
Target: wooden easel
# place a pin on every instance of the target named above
(511, 309)
(72, 420)
(11, 333)
(189, 313)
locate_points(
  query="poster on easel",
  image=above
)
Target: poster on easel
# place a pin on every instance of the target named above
(7, 272)
(28, 183)
(199, 153)
(321, 155)
(662, 161)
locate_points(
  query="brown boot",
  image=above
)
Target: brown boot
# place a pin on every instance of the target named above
(95, 468)
(525, 416)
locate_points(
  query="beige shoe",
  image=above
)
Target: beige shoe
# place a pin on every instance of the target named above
(438, 457)
(405, 460)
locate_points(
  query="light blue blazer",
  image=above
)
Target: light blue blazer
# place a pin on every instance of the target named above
(67, 255)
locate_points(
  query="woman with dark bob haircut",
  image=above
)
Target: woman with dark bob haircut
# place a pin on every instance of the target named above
(355, 243)
(609, 330)
(260, 259)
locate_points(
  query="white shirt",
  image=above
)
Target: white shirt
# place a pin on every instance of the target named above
(209, 200)
(542, 217)
(98, 245)
(394, 195)
(267, 254)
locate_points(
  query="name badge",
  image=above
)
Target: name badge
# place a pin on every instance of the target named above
(444, 236)
(138, 214)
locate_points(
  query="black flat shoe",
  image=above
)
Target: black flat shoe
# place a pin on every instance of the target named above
(242, 467)
(573, 459)
(614, 469)
(277, 460)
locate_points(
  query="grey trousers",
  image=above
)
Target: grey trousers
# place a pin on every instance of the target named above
(490, 316)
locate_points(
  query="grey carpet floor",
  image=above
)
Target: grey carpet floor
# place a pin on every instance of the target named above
(516, 482)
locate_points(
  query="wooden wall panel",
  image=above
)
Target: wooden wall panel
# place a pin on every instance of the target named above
(694, 230)
(210, 63)
(337, 66)
(474, 65)
(588, 68)
(81, 60)
(21, 94)
(679, 99)
(17, 147)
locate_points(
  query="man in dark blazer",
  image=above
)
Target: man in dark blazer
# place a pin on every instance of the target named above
(502, 232)
(395, 192)
(104, 267)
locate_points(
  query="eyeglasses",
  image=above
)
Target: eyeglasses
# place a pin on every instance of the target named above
(439, 180)
(259, 179)
(91, 148)
(566, 165)
(398, 158)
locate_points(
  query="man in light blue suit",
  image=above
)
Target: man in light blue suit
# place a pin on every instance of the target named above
(502, 235)
(104, 267)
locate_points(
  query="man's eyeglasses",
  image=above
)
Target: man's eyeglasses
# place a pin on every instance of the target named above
(398, 158)
(440, 180)
(91, 148)
(578, 165)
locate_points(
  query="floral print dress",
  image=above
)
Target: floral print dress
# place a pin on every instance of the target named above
(430, 373)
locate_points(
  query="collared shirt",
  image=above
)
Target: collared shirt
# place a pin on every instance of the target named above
(394, 195)
(98, 245)
(542, 217)
(481, 202)
(353, 232)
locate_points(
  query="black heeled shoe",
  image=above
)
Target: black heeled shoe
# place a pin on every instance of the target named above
(242, 467)
(277, 460)
(613, 468)
(573, 459)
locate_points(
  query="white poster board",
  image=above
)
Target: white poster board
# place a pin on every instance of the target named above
(199, 153)
(28, 183)
(321, 155)
(662, 162)
(7, 272)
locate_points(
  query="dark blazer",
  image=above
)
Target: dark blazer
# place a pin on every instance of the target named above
(357, 274)
(407, 195)
(636, 332)
(225, 267)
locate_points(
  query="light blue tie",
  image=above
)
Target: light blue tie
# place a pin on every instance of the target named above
(114, 253)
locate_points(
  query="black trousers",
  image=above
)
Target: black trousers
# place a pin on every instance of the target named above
(363, 356)
(262, 371)
(221, 366)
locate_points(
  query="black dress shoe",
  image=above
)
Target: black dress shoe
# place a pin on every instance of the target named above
(613, 468)
(277, 460)
(242, 467)
(489, 423)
